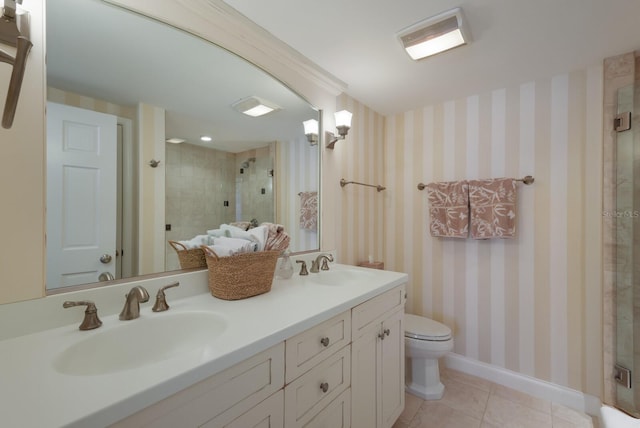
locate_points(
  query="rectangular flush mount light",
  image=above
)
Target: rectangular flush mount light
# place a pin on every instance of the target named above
(254, 106)
(434, 35)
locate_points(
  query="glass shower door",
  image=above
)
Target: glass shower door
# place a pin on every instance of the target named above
(627, 225)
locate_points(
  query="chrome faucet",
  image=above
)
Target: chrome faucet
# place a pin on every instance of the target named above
(135, 296)
(315, 264)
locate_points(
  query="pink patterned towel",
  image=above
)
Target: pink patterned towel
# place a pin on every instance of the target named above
(493, 208)
(449, 210)
(309, 210)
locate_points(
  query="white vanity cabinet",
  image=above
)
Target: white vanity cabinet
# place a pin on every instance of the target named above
(377, 361)
(246, 395)
(347, 371)
(318, 364)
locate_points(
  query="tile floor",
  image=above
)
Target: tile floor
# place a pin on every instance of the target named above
(470, 402)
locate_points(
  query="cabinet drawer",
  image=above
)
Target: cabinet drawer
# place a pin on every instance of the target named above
(305, 397)
(268, 414)
(234, 390)
(310, 347)
(372, 311)
(336, 415)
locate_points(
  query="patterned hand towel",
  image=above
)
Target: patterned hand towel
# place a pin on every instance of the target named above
(449, 209)
(309, 210)
(493, 208)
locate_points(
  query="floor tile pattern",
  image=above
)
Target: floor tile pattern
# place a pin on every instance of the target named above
(470, 402)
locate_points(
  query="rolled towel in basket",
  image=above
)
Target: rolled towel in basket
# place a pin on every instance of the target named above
(257, 234)
(196, 242)
(236, 245)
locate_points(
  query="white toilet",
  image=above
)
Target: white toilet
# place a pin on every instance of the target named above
(425, 341)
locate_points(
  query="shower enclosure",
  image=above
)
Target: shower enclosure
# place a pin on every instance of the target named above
(627, 226)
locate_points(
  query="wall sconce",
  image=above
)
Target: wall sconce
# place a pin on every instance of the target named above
(343, 123)
(311, 131)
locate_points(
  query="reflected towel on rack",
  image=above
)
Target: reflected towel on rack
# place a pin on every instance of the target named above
(493, 208)
(309, 210)
(449, 209)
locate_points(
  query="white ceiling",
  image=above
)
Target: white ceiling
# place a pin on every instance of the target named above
(513, 41)
(105, 52)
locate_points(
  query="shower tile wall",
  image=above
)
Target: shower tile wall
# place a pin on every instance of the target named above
(252, 203)
(198, 182)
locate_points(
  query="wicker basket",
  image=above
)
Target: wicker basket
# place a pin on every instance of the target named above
(189, 258)
(241, 276)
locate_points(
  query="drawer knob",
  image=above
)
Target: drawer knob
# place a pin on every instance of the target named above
(324, 341)
(324, 386)
(386, 331)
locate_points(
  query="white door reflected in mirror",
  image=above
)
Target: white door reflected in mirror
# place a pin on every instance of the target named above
(81, 195)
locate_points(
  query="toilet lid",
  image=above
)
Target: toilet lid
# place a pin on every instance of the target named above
(422, 328)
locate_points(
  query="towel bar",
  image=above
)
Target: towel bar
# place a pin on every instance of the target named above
(526, 180)
(343, 183)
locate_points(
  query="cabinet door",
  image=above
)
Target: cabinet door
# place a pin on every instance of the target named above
(268, 414)
(365, 364)
(336, 415)
(392, 372)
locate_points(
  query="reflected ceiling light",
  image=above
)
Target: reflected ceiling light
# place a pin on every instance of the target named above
(343, 124)
(205, 138)
(311, 131)
(434, 35)
(175, 140)
(254, 106)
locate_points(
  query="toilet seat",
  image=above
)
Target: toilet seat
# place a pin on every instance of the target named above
(421, 328)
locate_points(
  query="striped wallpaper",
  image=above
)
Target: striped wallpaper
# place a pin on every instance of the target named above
(296, 170)
(360, 211)
(530, 304)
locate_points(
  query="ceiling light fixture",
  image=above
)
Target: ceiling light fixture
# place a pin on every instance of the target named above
(254, 106)
(434, 35)
(205, 138)
(175, 140)
(343, 124)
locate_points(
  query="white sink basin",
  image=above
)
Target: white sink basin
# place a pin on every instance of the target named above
(139, 342)
(341, 276)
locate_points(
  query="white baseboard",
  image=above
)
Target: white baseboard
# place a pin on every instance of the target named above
(538, 388)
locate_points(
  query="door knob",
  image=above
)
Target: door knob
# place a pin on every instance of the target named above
(324, 386)
(105, 258)
(106, 276)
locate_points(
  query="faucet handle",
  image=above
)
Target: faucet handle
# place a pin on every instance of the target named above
(91, 319)
(161, 300)
(303, 269)
(325, 262)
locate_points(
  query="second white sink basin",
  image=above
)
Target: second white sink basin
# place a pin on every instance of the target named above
(341, 276)
(140, 342)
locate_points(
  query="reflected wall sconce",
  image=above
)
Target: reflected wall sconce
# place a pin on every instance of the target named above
(311, 131)
(433, 35)
(343, 124)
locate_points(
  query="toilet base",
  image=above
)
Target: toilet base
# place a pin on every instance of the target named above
(434, 392)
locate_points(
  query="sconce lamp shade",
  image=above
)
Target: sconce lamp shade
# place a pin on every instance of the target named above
(343, 118)
(343, 124)
(311, 131)
(434, 35)
(310, 127)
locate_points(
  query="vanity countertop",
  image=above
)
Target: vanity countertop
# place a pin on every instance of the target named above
(34, 394)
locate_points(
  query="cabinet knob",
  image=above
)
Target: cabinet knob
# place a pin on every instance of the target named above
(385, 332)
(324, 341)
(324, 386)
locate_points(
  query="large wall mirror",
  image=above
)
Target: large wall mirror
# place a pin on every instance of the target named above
(128, 100)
